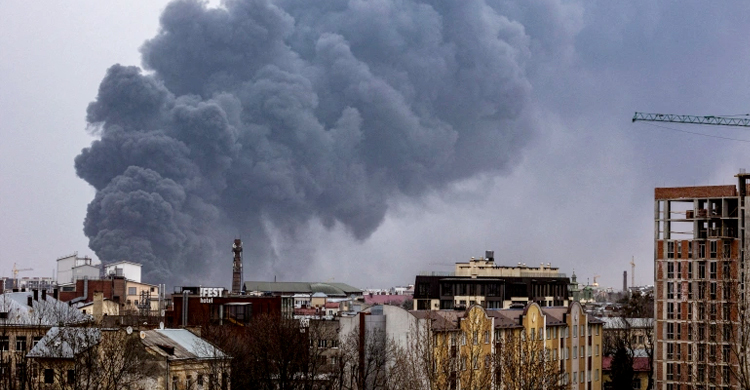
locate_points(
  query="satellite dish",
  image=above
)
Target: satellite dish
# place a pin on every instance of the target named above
(161, 325)
(143, 335)
(129, 330)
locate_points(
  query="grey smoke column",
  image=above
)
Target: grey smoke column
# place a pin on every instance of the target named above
(278, 113)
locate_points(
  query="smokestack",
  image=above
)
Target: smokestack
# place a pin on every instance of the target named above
(237, 267)
(184, 307)
(625, 281)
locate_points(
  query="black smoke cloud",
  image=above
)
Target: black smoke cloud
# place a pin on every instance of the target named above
(270, 115)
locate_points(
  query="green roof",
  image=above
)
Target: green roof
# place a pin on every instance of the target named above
(330, 289)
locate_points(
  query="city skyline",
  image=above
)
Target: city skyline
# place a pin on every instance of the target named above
(577, 194)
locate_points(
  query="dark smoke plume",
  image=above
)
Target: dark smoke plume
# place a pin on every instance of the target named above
(275, 114)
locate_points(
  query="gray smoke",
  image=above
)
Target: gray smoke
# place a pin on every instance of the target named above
(276, 114)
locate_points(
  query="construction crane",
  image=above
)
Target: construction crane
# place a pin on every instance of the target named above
(693, 119)
(16, 270)
(632, 271)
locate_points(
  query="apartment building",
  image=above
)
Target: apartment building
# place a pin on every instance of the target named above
(699, 260)
(483, 282)
(480, 348)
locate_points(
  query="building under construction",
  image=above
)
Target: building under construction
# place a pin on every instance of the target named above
(699, 260)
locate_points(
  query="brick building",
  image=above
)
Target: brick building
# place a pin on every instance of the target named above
(214, 305)
(699, 260)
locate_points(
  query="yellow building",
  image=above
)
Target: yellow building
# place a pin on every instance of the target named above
(542, 346)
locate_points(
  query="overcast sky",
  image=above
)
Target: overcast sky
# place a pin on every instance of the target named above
(577, 192)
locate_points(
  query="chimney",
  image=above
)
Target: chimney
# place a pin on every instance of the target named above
(55, 293)
(36, 294)
(44, 294)
(489, 255)
(98, 306)
(30, 301)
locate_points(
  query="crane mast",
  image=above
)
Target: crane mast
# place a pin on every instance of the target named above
(694, 119)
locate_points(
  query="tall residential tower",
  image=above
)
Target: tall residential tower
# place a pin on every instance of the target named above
(699, 266)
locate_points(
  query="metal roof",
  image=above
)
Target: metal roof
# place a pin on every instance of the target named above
(47, 312)
(180, 344)
(330, 289)
(65, 342)
(622, 323)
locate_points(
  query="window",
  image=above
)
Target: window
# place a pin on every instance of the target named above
(596, 375)
(49, 375)
(726, 270)
(670, 351)
(200, 380)
(132, 291)
(4, 343)
(670, 310)
(636, 384)
(575, 352)
(596, 350)
(575, 331)
(702, 250)
(581, 377)
(727, 253)
(71, 377)
(690, 252)
(713, 267)
(20, 343)
(475, 362)
(679, 249)
(475, 337)
(36, 341)
(174, 382)
(670, 250)
(670, 270)
(713, 249)
(670, 290)
(670, 331)
(532, 334)
(486, 336)
(670, 373)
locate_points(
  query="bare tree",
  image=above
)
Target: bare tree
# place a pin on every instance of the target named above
(522, 363)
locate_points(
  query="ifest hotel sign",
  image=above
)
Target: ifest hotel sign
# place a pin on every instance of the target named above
(208, 294)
